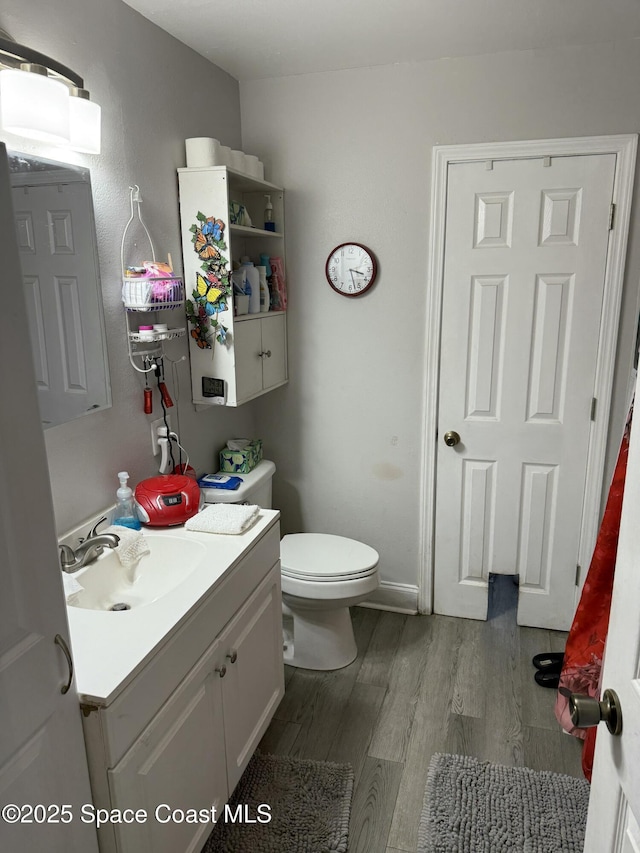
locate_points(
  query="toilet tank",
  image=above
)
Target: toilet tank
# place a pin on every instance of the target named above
(256, 488)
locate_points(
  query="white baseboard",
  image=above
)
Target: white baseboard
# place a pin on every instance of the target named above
(399, 597)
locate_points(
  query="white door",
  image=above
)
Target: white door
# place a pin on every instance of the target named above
(614, 804)
(525, 256)
(42, 757)
(54, 229)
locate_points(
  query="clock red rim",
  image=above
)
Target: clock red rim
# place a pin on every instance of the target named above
(374, 264)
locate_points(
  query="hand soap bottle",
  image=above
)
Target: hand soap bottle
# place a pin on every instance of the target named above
(125, 514)
(269, 224)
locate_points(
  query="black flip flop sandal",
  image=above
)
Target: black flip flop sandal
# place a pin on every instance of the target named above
(548, 660)
(547, 679)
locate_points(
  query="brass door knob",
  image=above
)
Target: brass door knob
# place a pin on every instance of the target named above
(451, 438)
(587, 712)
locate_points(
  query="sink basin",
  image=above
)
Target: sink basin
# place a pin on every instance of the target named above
(107, 585)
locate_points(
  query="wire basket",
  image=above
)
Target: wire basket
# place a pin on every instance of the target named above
(152, 294)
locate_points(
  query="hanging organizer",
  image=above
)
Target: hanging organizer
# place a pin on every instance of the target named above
(148, 290)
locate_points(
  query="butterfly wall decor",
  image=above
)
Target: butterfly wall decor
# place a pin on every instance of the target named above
(212, 290)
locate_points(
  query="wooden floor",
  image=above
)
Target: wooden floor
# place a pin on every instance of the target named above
(420, 685)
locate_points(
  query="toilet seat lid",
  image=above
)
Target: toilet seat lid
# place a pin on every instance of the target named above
(325, 557)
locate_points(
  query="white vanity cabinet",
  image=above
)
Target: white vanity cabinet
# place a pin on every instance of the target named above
(253, 360)
(183, 730)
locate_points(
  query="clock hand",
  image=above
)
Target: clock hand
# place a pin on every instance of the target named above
(357, 272)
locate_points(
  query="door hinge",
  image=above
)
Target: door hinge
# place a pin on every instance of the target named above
(612, 216)
(594, 406)
(578, 569)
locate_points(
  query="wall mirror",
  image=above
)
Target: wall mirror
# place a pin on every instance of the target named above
(55, 232)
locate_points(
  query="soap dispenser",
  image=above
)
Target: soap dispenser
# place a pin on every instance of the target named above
(269, 224)
(125, 514)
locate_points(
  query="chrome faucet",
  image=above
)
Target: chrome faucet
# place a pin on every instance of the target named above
(88, 550)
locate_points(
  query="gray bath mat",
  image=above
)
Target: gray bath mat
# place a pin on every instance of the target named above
(473, 806)
(309, 803)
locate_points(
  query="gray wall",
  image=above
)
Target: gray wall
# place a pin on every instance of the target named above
(353, 150)
(154, 93)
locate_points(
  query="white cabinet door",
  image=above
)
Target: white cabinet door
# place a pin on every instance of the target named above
(254, 681)
(260, 348)
(274, 341)
(177, 762)
(247, 344)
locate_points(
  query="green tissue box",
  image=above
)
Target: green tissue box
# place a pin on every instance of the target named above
(241, 461)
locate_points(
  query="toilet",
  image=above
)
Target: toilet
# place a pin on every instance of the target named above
(322, 576)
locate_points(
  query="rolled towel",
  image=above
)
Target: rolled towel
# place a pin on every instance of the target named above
(224, 518)
(132, 546)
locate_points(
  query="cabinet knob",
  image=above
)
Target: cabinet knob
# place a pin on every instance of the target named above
(222, 670)
(233, 656)
(266, 354)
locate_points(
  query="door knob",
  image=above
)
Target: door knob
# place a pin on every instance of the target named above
(587, 712)
(451, 438)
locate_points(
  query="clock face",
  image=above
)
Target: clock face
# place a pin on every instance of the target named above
(351, 269)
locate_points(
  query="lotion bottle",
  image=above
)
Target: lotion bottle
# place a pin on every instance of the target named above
(264, 290)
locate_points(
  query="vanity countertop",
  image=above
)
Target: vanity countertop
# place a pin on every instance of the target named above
(109, 649)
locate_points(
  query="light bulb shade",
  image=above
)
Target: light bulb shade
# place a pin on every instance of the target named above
(84, 116)
(34, 106)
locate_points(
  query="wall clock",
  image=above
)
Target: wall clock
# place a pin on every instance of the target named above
(351, 269)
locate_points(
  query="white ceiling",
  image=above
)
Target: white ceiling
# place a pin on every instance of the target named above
(251, 39)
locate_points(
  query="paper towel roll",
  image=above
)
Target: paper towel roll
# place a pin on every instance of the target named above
(202, 151)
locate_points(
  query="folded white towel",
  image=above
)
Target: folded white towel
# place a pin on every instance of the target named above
(224, 518)
(132, 545)
(71, 586)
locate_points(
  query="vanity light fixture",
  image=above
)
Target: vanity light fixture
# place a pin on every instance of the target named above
(42, 99)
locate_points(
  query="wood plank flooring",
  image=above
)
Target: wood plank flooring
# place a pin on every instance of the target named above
(420, 685)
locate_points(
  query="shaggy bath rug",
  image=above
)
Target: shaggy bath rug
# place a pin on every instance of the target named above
(309, 803)
(473, 806)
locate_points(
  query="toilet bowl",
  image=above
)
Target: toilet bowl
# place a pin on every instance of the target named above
(322, 576)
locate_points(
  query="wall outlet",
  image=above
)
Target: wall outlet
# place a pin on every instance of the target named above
(159, 422)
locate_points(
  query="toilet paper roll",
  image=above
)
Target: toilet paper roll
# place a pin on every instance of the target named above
(238, 161)
(224, 155)
(251, 165)
(201, 151)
